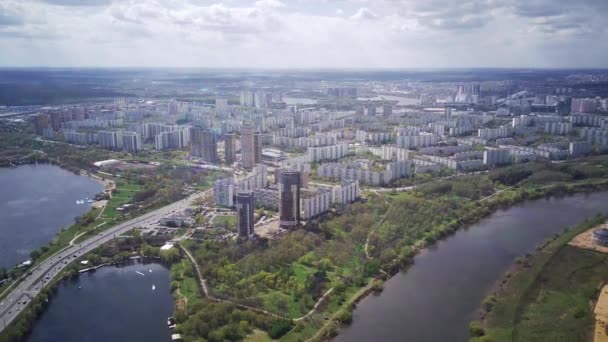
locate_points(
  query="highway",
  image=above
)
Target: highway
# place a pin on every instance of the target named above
(42, 274)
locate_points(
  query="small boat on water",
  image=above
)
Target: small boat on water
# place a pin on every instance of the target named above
(171, 322)
(153, 287)
(79, 202)
(90, 201)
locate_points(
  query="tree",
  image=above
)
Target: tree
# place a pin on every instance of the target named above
(170, 256)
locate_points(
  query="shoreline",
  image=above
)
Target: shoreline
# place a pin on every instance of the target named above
(491, 209)
(498, 314)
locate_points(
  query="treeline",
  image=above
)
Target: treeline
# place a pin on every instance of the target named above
(218, 322)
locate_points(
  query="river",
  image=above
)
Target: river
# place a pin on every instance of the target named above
(401, 101)
(36, 201)
(435, 299)
(115, 303)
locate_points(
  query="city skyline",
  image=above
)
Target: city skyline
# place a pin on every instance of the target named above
(272, 34)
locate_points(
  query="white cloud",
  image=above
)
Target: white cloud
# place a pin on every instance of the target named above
(303, 33)
(364, 13)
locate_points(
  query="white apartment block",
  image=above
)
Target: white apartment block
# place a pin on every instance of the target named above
(417, 141)
(111, 140)
(558, 128)
(77, 138)
(390, 152)
(314, 203)
(131, 141)
(359, 170)
(348, 191)
(423, 166)
(374, 137)
(172, 140)
(333, 152)
(257, 179)
(223, 192)
(496, 156)
(494, 133)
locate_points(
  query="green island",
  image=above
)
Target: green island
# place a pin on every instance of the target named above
(305, 284)
(548, 295)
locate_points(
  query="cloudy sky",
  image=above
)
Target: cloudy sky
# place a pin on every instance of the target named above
(305, 33)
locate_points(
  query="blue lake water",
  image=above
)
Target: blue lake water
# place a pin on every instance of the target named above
(115, 303)
(36, 201)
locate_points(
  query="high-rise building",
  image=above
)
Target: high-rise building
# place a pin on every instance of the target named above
(209, 147)
(289, 199)
(111, 140)
(247, 99)
(223, 192)
(257, 148)
(131, 142)
(229, 148)
(41, 122)
(245, 208)
(56, 119)
(221, 105)
(203, 144)
(371, 109)
(247, 146)
(387, 110)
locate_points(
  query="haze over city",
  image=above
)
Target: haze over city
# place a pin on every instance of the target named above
(304, 34)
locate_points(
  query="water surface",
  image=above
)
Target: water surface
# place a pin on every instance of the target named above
(435, 299)
(401, 101)
(36, 201)
(110, 304)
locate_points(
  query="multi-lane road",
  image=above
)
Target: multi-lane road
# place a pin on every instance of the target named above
(42, 274)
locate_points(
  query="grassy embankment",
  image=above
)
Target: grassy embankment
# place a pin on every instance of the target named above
(546, 296)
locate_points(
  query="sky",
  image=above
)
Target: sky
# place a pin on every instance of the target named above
(304, 33)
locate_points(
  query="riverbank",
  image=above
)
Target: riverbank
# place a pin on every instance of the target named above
(474, 216)
(547, 295)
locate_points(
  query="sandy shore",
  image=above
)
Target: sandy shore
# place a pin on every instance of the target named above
(585, 240)
(601, 316)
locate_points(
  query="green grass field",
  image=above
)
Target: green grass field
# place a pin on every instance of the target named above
(550, 299)
(228, 220)
(123, 194)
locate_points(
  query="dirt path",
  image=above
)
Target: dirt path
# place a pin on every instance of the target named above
(205, 290)
(82, 233)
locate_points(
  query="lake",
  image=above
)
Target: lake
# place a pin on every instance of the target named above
(36, 201)
(437, 297)
(114, 303)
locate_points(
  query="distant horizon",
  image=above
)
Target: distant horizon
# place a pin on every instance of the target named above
(305, 69)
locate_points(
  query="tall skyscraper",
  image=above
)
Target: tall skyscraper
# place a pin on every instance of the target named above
(203, 144)
(257, 148)
(41, 122)
(209, 147)
(247, 146)
(371, 109)
(388, 110)
(245, 208)
(289, 199)
(229, 148)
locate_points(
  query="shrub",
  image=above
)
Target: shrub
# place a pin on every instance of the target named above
(476, 330)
